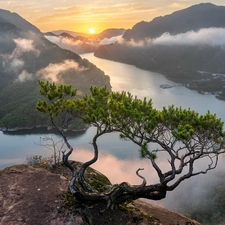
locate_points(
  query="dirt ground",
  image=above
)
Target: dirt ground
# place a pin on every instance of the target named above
(33, 196)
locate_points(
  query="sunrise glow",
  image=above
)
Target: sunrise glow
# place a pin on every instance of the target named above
(81, 16)
(92, 30)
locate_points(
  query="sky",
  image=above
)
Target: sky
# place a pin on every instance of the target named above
(87, 16)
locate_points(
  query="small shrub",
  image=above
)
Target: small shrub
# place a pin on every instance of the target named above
(39, 161)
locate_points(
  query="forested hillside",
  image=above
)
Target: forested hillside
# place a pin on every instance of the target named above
(26, 56)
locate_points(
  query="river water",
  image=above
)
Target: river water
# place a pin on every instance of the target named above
(118, 160)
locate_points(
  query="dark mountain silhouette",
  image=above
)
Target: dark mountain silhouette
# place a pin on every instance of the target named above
(18, 21)
(108, 33)
(199, 65)
(72, 33)
(50, 34)
(82, 43)
(69, 36)
(26, 56)
(196, 17)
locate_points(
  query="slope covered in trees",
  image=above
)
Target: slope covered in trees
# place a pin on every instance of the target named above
(26, 56)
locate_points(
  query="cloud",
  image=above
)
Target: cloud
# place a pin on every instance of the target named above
(206, 36)
(14, 61)
(63, 42)
(24, 76)
(196, 190)
(66, 43)
(138, 44)
(16, 64)
(52, 71)
(107, 41)
(72, 45)
(22, 46)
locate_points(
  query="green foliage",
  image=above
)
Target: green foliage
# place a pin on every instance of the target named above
(93, 107)
(57, 98)
(145, 153)
(185, 123)
(134, 118)
(39, 161)
(18, 107)
(18, 98)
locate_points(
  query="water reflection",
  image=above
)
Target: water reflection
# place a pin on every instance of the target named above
(8, 162)
(118, 170)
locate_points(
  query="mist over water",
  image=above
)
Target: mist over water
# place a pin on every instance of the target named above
(119, 160)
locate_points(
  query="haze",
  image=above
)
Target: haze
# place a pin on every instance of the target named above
(81, 16)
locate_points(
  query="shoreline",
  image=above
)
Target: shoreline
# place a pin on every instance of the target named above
(38, 128)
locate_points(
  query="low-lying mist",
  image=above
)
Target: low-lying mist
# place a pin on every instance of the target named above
(208, 36)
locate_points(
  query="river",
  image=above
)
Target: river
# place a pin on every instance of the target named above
(122, 157)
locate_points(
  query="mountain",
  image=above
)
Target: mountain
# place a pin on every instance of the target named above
(196, 17)
(108, 33)
(72, 33)
(187, 46)
(26, 56)
(83, 43)
(77, 44)
(18, 21)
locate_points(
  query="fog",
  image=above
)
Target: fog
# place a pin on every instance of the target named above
(196, 190)
(67, 43)
(14, 62)
(207, 36)
(22, 46)
(52, 71)
(24, 76)
(63, 42)
(107, 41)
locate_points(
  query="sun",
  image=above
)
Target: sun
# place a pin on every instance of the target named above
(92, 30)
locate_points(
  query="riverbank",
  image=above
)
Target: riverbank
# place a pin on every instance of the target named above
(45, 129)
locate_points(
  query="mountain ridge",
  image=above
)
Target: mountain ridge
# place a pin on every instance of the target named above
(18, 21)
(203, 15)
(85, 43)
(27, 56)
(183, 46)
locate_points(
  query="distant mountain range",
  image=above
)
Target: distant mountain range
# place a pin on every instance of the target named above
(196, 17)
(83, 43)
(26, 56)
(188, 46)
